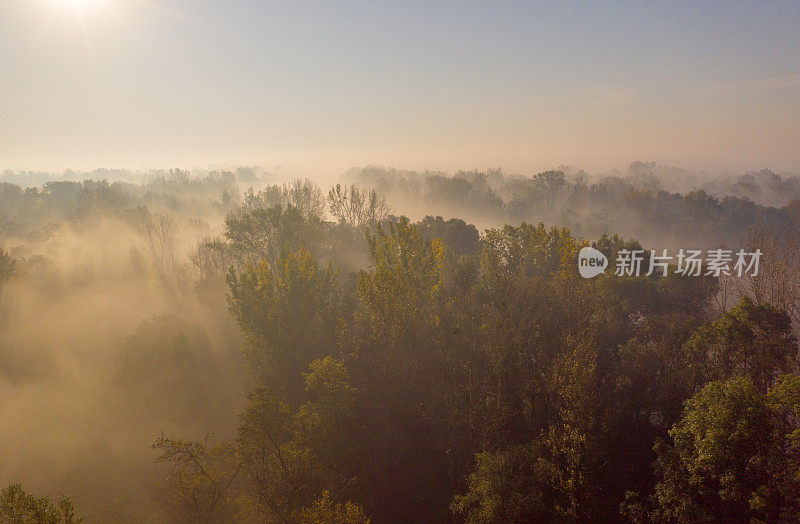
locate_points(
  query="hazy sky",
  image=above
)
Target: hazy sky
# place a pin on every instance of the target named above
(443, 85)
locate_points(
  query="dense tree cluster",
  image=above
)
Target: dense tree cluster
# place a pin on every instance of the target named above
(496, 385)
(16, 505)
(402, 371)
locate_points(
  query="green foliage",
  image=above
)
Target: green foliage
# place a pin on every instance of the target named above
(282, 474)
(288, 313)
(555, 476)
(397, 298)
(732, 456)
(392, 346)
(407, 270)
(290, 457)
(498, 384)
(529, 250)
(18, 506)
(266, 233)
(199, 486)
(750, 340)
(325, 511)
(279, 463)
(784, 399)
(327, 418)
(509, 486)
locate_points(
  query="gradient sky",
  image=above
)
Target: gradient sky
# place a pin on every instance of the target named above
(440, 85)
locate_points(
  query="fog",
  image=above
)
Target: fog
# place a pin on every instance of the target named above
(115, 329)
(98, 359)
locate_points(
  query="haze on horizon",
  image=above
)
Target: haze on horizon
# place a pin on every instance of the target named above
(159, 83)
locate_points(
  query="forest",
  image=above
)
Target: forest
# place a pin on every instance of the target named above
(395, 346)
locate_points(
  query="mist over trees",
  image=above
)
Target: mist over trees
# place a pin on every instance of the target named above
(668, 207)
(397, 347)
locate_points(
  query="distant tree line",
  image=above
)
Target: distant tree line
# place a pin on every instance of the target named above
(634, 205)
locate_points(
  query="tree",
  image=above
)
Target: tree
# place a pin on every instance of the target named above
(356, 206)
(288, 314)
(777, 282)
(326, 511)
(750, 340)
(8, 269)
(8, 266)
(159, 232)
(282, 473)
(291, 457)
(793, 210)
(304, 195)
(460, 237)
(394, 355)
(732, 457)
(507, 486)
(16, 505)
(200, 485)
(265, 233)
(327, 421)
(550, 183)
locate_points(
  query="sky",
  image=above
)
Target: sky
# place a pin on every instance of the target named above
(324, 86)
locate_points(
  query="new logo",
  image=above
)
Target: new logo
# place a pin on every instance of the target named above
(591, 262)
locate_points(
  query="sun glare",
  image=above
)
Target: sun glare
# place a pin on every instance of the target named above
(81, 5)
